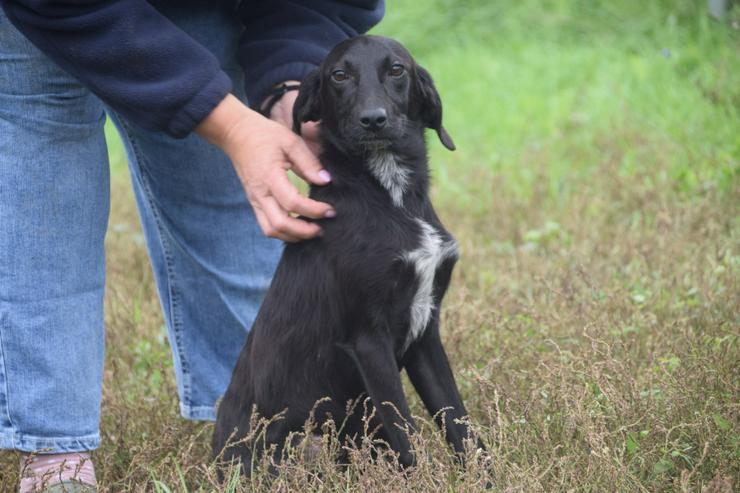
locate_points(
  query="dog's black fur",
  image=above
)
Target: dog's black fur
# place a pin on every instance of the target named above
(336, 320)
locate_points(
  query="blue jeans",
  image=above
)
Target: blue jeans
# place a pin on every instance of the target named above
(211, 262)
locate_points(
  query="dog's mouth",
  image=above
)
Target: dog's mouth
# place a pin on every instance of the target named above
(374, 143)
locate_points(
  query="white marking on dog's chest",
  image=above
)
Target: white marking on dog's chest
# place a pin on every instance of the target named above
(426, 258)
(391, 175)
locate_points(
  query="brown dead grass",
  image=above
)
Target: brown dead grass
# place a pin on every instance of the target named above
(594, 337)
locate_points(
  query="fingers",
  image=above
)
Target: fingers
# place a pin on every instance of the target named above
(265, 225)
(291, 200)
(277, 223)
(306, 164)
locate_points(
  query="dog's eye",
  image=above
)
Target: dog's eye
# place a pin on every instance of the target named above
(397, 70)
(339, 75)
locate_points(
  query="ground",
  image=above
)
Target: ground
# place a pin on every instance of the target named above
(593, 320)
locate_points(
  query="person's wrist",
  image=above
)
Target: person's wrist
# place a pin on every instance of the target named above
(225, 125)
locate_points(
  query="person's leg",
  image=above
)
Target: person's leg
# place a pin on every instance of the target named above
(53, 217)
(211, 262)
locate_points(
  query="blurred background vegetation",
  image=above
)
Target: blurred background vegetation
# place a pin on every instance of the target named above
(535, 88)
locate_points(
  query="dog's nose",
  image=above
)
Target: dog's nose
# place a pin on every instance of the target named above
(373, 119)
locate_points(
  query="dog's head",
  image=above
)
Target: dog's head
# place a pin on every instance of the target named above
(368, 93)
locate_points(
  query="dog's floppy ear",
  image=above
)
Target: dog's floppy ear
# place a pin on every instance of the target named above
(306, 107)
(431, 106)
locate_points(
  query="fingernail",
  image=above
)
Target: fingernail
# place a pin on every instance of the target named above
(324, 175)
(330, 213)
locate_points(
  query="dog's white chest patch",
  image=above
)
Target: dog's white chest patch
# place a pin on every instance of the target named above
(431, 252)
(391, 175)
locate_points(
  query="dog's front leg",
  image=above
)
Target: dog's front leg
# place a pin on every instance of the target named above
(429, 371)
(374, 358)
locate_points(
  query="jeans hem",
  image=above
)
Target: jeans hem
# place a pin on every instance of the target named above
(48, 445)
(198, 413)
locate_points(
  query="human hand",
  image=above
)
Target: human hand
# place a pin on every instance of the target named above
(282, 112)
(262, 151)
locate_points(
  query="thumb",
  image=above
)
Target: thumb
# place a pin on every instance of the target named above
(305, 163)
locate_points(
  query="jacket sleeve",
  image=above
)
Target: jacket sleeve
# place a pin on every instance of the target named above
(286, 39)
(129, 55)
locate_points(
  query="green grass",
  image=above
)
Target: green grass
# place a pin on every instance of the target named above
(593, 321)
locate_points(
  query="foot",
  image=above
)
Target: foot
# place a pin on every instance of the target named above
(54, 473)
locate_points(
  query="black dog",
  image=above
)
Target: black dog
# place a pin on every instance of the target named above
(347, 311)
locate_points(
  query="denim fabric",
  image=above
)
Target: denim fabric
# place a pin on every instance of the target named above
(211, 263)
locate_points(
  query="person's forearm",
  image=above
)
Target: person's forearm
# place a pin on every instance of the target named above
(287, 39)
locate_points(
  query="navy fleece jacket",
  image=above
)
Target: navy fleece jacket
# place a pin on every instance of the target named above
(151, 72)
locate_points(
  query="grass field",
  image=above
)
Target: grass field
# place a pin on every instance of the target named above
(593, 322)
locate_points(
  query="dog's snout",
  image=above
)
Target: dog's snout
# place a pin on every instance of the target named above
(373, 119)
